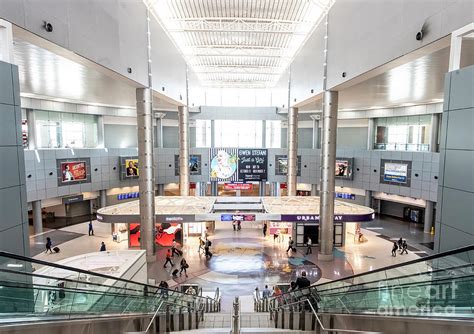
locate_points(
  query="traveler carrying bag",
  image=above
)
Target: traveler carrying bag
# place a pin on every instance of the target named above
(175, 272)
(180, 252)
(209, 243)
(293, 249)
(56, 249)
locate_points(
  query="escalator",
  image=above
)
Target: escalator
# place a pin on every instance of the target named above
(69, 295)
(430, 294)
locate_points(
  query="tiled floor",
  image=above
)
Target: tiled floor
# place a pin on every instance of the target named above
(242, 261)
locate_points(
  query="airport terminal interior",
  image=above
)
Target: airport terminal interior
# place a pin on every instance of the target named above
(237, 166)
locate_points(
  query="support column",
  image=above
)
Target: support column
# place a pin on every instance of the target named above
(371, 134)
(262, 189)
(183, 128)
(428, 217)
(146, 179)
(37, 217)
(368, 198)
(103, 198)
(264, 133)
(159, 129)
(213, 133)
(160, 188)
(328, 161)
(31, 122)
(100, 131)
(434, 134)
(315, 119)
(292, 151)
(314, 190)
(214, 188)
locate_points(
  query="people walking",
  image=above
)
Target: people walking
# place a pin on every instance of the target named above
(302, 281)
(290, 245)
(174, 249)
(91, 229)
(239, 226)
(400, 243)
(168, 259)
(234, 224)
(102, 247)
(404, 247)
(207, 246)
(309, 244)
(266, 293)
(184, 266)
(163, 289)
(265, 229)
(49, 245)
(394, 249)
(201, 245)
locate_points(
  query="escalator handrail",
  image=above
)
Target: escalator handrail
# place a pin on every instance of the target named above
(422, 259)
(78, 270)
(319, 320)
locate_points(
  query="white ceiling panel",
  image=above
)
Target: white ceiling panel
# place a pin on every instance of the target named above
(239, 43)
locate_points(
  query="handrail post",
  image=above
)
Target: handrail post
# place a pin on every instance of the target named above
(235, 317)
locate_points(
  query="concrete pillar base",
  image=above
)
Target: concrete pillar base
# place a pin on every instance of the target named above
(325, 257)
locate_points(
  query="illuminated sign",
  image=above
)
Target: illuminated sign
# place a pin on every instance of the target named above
(237, 217)
(238, 186)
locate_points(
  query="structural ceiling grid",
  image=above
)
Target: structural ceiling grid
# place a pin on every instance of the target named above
(233, 43)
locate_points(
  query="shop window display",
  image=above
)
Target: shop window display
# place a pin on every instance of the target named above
(165, 234)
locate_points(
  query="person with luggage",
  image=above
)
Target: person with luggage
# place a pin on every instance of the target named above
(102, 247)
(175, 250)
(309, 249)
(168, 259)
(290, 245)
(184, 266)
(91, 229)
(394, 249)
(207, 245)
(49, 244)
(404, 247)
(265, 230)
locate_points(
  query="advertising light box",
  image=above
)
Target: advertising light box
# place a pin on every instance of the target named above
(394, 172)
(238, 165)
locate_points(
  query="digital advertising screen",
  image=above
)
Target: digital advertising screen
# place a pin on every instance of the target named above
(343, 168)
(73, 171)
(131, 169)
(223, 164)
(281, 165)
(395, 172)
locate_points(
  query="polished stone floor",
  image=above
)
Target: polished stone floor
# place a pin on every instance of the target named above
(242, 260)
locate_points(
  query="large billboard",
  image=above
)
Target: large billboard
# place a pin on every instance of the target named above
(238, 164)
(71, 171)
(395, 172)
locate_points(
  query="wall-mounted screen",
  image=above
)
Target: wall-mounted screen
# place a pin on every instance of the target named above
(73, 171)
(129, 168)
(396, 172)
(281, 165)
(194, 164)
(343, 168)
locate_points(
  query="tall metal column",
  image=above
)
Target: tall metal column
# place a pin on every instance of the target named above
(434, 135)
(262, 189)
(314, 190)
(159, 129)
(315, 144)
(328, 161)
(428, 217)
(264, 133)
(371, 134)
(292, 151)
(183, 128)
(213, 133)
(37, 217)
(146, 179)
(214, 188)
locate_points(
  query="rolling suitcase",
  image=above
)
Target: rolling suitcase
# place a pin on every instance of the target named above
(56, 249)
(175, 272)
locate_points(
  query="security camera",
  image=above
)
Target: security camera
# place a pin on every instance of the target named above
(48, 26)
(419, 35)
